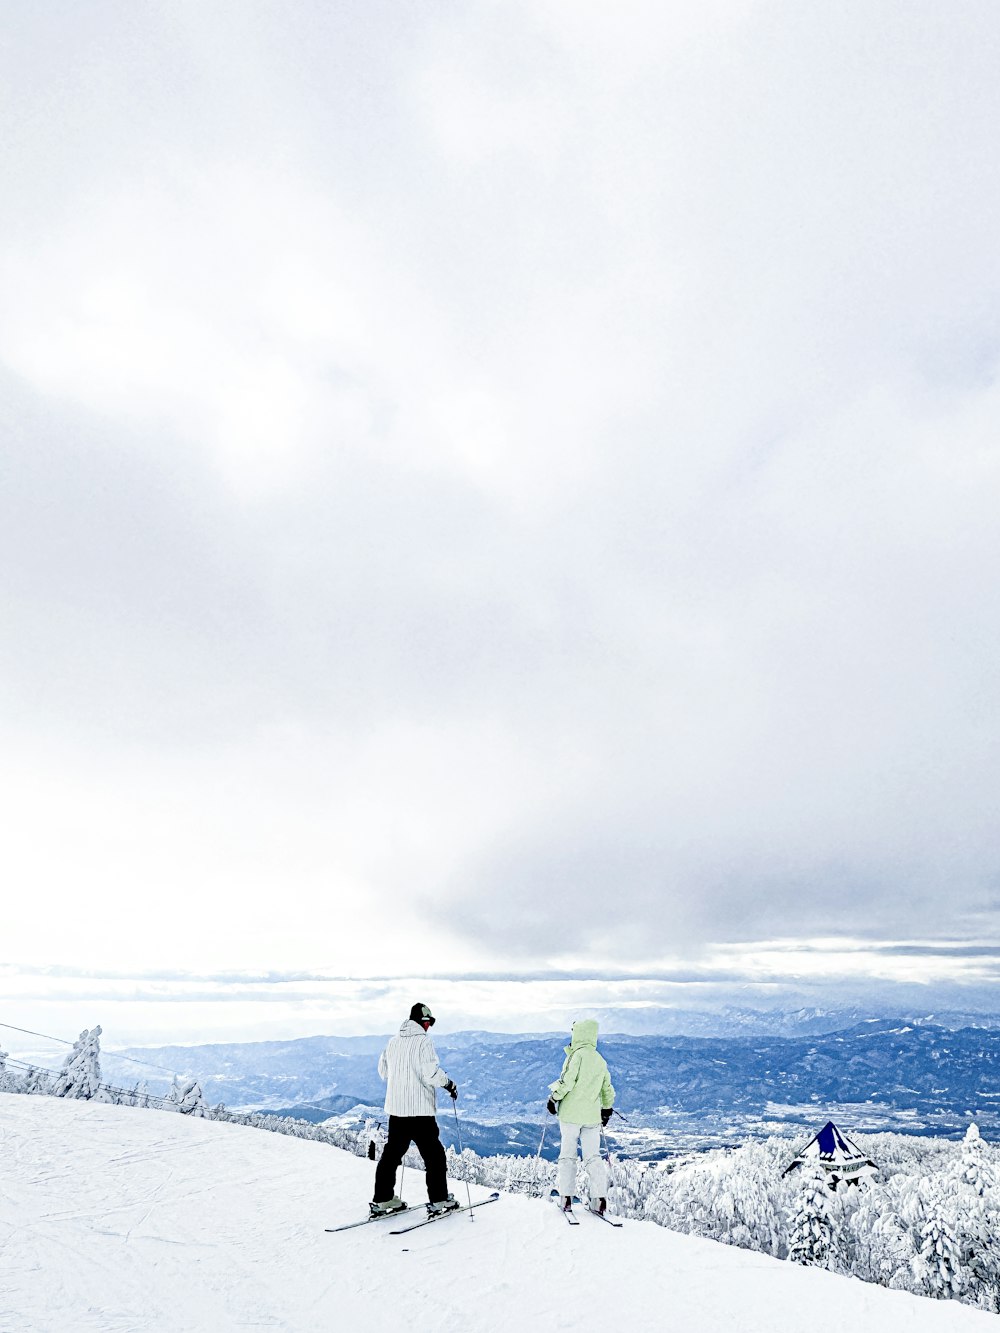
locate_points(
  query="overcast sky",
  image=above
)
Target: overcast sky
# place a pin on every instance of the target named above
(496, 489)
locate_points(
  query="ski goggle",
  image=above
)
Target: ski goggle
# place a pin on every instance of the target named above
(426, 1016)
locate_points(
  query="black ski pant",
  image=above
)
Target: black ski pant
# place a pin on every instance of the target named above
(404, 1130)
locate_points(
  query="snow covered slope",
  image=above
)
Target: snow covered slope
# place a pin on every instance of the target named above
(124, 1220)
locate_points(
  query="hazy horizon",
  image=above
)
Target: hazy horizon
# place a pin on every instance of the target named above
(224, 1010)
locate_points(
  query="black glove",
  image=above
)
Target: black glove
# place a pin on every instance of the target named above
(550, 1106)
(452, 1088)
(605, 1115)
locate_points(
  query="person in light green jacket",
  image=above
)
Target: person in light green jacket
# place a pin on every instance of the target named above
(582, 1097)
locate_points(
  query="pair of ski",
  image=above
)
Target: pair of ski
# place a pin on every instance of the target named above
(572, 1218)
(410, 1208)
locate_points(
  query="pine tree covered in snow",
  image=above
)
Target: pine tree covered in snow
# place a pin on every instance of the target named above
(36, 1082)
(939, 1264)
(186, 1097)
(811, 1228)
(973, 1169)
(979, 1218)
(80, 1075)
(878, 1244)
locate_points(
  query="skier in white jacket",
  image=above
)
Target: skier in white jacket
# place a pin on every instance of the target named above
(410, 1068)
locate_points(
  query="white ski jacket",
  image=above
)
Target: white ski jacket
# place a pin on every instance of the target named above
(409, 1065)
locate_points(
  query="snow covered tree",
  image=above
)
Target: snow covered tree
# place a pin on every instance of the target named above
(877, 1244)
(36, 1082)
(811, 1231)
(186, 1097)
(976, 1227)
(754, 1222)
(977, 1220)
(80, 1075)
(939, 1262)
(973, 1169)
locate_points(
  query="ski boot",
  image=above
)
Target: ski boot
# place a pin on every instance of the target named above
(387, 1207)
(440, 1206)
(601, 1207)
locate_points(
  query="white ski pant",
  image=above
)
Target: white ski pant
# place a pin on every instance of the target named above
(590, 1145)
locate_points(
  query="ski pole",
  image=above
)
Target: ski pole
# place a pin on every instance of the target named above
(607, 1154)
(541, 1142)
(607, 1149)
(461, 1150)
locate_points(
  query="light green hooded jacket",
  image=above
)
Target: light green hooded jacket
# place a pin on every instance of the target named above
(584, 1086)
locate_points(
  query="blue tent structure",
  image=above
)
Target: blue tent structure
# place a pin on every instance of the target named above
(841, 1159)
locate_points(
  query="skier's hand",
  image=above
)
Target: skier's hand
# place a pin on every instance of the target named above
(550, 1106)
(605, 1114)
(451, 1088)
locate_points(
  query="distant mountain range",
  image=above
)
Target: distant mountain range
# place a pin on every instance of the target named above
(735, 1020)
(925, 1074)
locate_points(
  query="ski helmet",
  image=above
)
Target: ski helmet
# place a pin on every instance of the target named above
(421, 1014)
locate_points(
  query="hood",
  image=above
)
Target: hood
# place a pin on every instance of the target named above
(410, 1029)
(584, 1034)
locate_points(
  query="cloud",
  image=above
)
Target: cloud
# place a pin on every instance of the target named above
(524, 501)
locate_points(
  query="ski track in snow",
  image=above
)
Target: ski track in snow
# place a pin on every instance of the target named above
(125, 1220)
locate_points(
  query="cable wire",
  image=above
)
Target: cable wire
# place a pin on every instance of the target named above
(132, 1059)
(44, 1035)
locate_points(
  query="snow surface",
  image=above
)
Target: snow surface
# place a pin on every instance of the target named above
(121, 1220)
